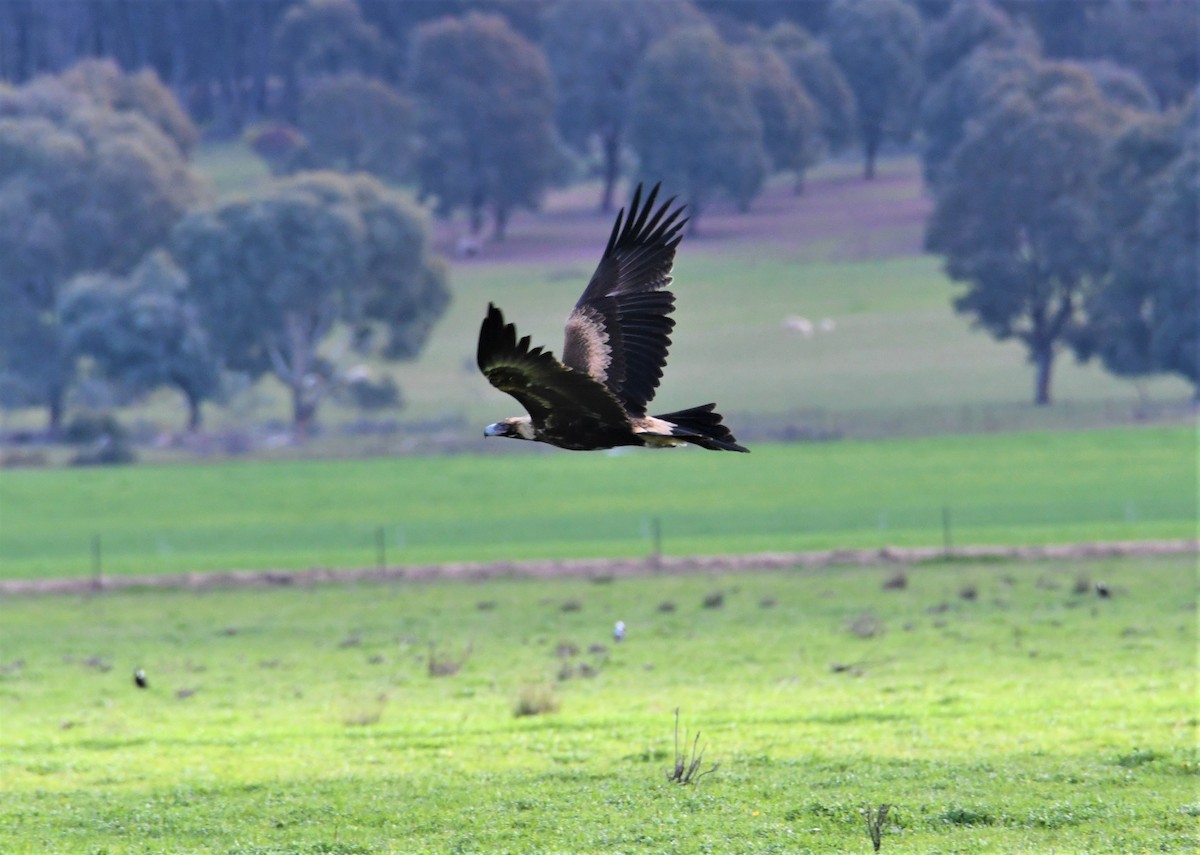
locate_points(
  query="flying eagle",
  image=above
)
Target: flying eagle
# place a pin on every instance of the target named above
(616, 346)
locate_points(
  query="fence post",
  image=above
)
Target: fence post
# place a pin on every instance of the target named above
(947, 540)
(381, 547)
(656, 541)
(97, 567)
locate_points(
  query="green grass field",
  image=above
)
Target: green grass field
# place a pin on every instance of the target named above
(1027, 488)
(998, 707)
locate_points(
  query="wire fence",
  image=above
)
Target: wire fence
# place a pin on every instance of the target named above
(305, 544)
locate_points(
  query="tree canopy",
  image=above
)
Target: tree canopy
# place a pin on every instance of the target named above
(971, 87)
(273, 274)
(877, 44)
(695, 126)
(1142, 317)
(353, 123)
(594, 47)
(813, 68)
(84, 187)
(142, 332)
(1016, 213)
(790, 121)
(485, 104)
(316, 38)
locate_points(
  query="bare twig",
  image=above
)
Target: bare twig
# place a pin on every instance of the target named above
(687, 769)
(875, 818)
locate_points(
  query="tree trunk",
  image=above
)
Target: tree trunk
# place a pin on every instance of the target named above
(501, 221)
(870, 149)
(55, 407)
(193, 408)
(303, 410)
(1043, 360)
(612, 165)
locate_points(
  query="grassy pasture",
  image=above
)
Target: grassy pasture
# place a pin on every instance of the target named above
(998, 707)
(523, 502)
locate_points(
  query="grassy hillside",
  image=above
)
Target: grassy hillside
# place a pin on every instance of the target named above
(1023, 488)
(898, 361)
(998, 708)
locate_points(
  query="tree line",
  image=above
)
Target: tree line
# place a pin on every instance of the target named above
(1058, 140)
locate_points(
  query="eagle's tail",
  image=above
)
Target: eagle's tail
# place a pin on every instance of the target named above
(702, 426)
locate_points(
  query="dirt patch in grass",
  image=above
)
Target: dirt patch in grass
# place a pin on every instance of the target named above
(857, 219)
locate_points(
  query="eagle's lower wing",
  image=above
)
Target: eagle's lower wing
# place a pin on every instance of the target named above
(619, 332)
(547, 389)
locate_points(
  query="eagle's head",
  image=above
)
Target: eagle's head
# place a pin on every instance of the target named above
(517, 427)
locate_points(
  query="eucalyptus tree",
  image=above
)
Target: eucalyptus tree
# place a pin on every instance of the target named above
(353, 123)
(275, 273)
(790, 120)
(594, 47)
(814, 69)
(315, 38)
(142, 332)
(485, 113)
(1017, 212)
(878, 45)
(1143, 317)
(694, 126)
(88, 183)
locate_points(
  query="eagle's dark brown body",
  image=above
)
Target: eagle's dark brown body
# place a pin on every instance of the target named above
(617, 338)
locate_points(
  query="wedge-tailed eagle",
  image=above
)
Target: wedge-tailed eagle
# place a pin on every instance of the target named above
(616, 346)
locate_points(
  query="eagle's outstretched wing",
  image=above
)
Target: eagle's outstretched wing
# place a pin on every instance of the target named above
(551, 392)
(619, 331)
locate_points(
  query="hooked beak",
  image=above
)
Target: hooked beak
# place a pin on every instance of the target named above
(497, 429)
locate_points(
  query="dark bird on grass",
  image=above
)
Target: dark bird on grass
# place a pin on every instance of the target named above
(616, 346)
(1103, 591)
(139, 679)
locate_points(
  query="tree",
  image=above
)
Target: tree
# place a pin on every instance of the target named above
(315, 38)
(1159, 40)
(142, 333)
(83, 188)
(1171, 256)
(877, 44)
(594, 47)
(813, 68)
(485, 105)
(1142, 317)
(275, 273)
(979, 81)
(356, 124)
(789, 117)
(1016, 213)
(969, 25)
(103, 84)
(694, 124)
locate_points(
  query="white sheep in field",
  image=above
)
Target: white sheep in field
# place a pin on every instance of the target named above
(798, 324)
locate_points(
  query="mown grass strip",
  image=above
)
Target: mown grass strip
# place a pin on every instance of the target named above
(1120, 484)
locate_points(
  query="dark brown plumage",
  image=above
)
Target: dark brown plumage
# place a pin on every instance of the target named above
(617, 338)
